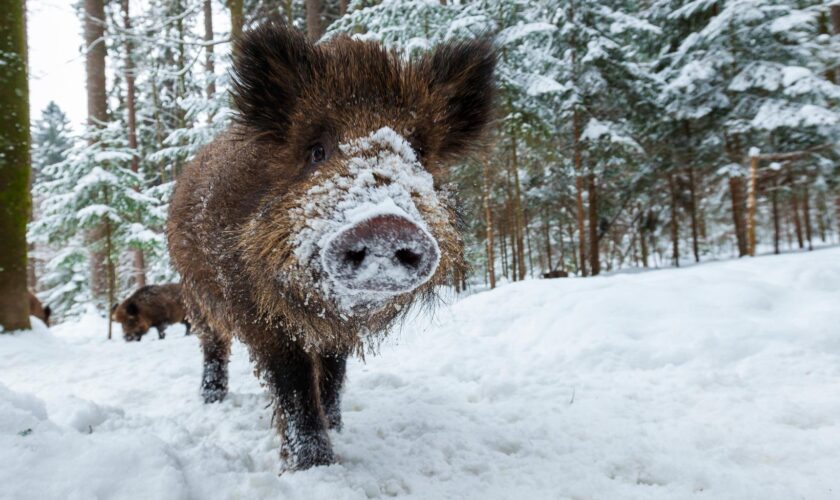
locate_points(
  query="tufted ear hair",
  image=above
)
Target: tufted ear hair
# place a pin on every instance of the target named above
(272, 65)
(462, 77)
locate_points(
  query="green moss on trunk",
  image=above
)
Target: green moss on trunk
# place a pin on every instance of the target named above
(14, 166)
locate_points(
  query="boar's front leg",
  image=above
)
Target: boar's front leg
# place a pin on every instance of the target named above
(161, 331)
(290, 374)
(333, 369)
(214, 380)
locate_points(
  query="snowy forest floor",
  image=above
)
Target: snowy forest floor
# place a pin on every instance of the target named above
(718, 381)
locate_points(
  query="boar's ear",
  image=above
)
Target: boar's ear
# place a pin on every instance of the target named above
(272, 65)
(462, 76)
(131, 309)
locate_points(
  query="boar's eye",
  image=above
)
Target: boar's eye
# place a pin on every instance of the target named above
(317, 154)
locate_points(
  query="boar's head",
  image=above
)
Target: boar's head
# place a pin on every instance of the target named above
(355, 225)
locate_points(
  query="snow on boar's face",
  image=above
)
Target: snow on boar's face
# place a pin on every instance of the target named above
(358, 226)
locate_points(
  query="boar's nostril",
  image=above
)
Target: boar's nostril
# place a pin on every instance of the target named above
(408, 258)
(386, 253)
(355, 257)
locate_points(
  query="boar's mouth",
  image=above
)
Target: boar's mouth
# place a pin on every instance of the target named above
(386, 254)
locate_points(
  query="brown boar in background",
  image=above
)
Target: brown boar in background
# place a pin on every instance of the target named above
(150, 306)
(38, 310)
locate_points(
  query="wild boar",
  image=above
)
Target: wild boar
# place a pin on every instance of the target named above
(38, 310)
(150, 306)
(309, 227)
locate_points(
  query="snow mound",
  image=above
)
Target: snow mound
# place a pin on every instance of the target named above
(717, 381)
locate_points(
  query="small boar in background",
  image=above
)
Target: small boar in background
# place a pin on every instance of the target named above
(150, 306)
(38, 310)
(311, 225)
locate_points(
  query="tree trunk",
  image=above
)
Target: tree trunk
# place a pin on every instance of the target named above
(139, 261)
(488, 222)
(572, 246)
(111, 274)
(342, 7)
(236, 22)
(835, 25)
(797, 224)
(774, 199)
(736, 188)
(806, 215)
(547, 232)
(314, 29)
(675, 228)
(209, 64)
(837, 212)
(643, 235)
(562, 259)
(528, 244)
(97, 105)
(594, 239)
(752, 201)
(695, 226)
(31, 272)
(576, 133)
(15, 167)
(518, 213)
(503, 246)
(514, 252)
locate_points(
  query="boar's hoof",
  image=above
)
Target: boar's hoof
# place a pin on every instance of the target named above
(307, 451)
(213, 395)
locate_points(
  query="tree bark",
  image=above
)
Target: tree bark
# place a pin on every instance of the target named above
(774, 199)
(547, 231)
(806, 215)
(752, 201)
(342, 7)
(209, 64)
(643, 247)
(503, 246)
(314, 29)
(514, 252)
(834, 11)
(572, 246)
(797, 223)
(675, 229)
(15, 167)
(236, 22)
(97, 106)
(528, 244)
(488, 222)
(695, 237)
(578, 163)
(137, 254)
(519, 215)
(736, 188)
(561, 263)
(594, 240)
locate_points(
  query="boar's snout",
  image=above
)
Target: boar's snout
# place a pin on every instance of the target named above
(385, 253)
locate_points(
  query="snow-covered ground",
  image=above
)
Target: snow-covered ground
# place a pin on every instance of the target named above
(718, 381)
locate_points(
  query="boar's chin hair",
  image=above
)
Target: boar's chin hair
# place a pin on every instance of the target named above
(287, 293)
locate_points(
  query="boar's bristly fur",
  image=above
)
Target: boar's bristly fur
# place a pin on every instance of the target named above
(341, 138)
(38, 310)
